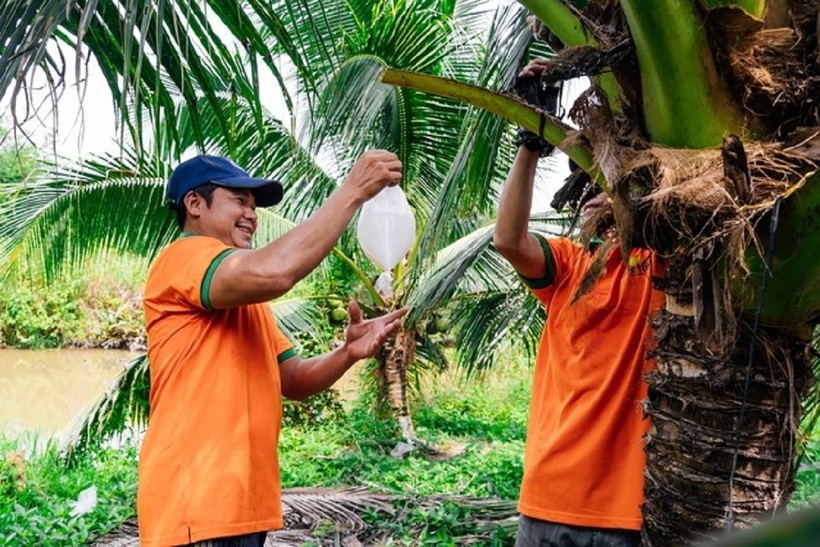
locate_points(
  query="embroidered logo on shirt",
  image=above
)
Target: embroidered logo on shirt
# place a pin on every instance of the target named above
(637, 266)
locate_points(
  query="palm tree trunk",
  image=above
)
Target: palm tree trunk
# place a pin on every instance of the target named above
(398, 351)
(720, 451)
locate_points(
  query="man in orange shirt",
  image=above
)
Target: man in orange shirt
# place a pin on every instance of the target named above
(209, 471)
(584, 460)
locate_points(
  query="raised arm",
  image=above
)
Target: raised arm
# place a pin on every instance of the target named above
(512, 237)
(247, 277)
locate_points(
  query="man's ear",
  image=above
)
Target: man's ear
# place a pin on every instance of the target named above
(193, 203)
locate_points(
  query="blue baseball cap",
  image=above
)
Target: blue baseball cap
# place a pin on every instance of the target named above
(221, 171)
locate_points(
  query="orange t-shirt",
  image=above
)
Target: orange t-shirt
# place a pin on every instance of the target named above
(208, 465)
(584, 458)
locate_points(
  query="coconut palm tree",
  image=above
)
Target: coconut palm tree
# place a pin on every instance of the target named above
(702, 125)
(186, 88)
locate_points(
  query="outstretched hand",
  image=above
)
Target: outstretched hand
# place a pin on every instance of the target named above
(364, 337)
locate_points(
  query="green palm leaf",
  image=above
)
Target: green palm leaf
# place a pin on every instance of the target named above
(62, 220)
(479, 161)
(488, 306)
(471, 266)
(152, 53)
(302, 319)
(26, 28)
(123, 406)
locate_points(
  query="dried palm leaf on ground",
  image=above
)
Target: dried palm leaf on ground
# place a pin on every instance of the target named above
(339, 516)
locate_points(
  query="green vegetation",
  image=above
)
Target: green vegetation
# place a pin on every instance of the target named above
(475, 429)
(183, 88)
(808, 474)
(17, 163)
(101, 307)
(36, 491)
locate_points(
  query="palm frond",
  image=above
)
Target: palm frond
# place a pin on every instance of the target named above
(27, 28)
(493, 326)
(430, 351)
(308, 510)
(441, 281)
(57, 223)
(301, 320)
(355, 108)
(124, 405)
(471, 266)
(151, 54)
(811, 402)
(488, 307)
(483, 152)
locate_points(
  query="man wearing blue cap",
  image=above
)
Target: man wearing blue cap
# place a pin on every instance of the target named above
(209, 470)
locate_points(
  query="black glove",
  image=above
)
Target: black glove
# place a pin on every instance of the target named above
(533, 142)
(544, 95)
(577, 185)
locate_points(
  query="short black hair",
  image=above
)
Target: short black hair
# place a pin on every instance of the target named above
(205, 190)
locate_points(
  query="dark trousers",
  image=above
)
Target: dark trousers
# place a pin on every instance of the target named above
(542, 533)
(247, 540)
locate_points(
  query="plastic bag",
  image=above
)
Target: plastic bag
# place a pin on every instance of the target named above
(86, 502)
(386, 231)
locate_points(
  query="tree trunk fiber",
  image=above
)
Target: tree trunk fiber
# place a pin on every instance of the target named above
(398, 351)
(707, 472)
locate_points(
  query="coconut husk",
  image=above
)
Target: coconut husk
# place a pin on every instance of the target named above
(695, 219)
(773, 72)
(614, 142)
(691, 201)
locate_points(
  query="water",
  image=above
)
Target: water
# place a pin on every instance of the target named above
(45, 391)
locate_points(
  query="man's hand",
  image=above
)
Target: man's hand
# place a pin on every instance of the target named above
(364, 337)
(534, 68)
(374, 170)
(530, 88)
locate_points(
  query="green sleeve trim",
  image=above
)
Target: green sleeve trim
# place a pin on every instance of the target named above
(209, 275)
(549, 274)
(285, 355)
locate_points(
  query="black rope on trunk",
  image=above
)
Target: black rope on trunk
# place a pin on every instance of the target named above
(730, 517)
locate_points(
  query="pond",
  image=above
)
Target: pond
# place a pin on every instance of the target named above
(45, 391)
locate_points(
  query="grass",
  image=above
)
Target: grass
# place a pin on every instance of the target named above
(477, 428)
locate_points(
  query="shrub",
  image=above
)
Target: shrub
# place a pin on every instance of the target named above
(101, 308)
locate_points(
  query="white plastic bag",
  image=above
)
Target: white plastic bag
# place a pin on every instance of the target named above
(86, 502)
(386, 230)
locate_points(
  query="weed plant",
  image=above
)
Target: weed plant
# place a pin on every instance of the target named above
(807, 477)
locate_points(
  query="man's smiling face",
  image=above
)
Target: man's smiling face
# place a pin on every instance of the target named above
(230, 218)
